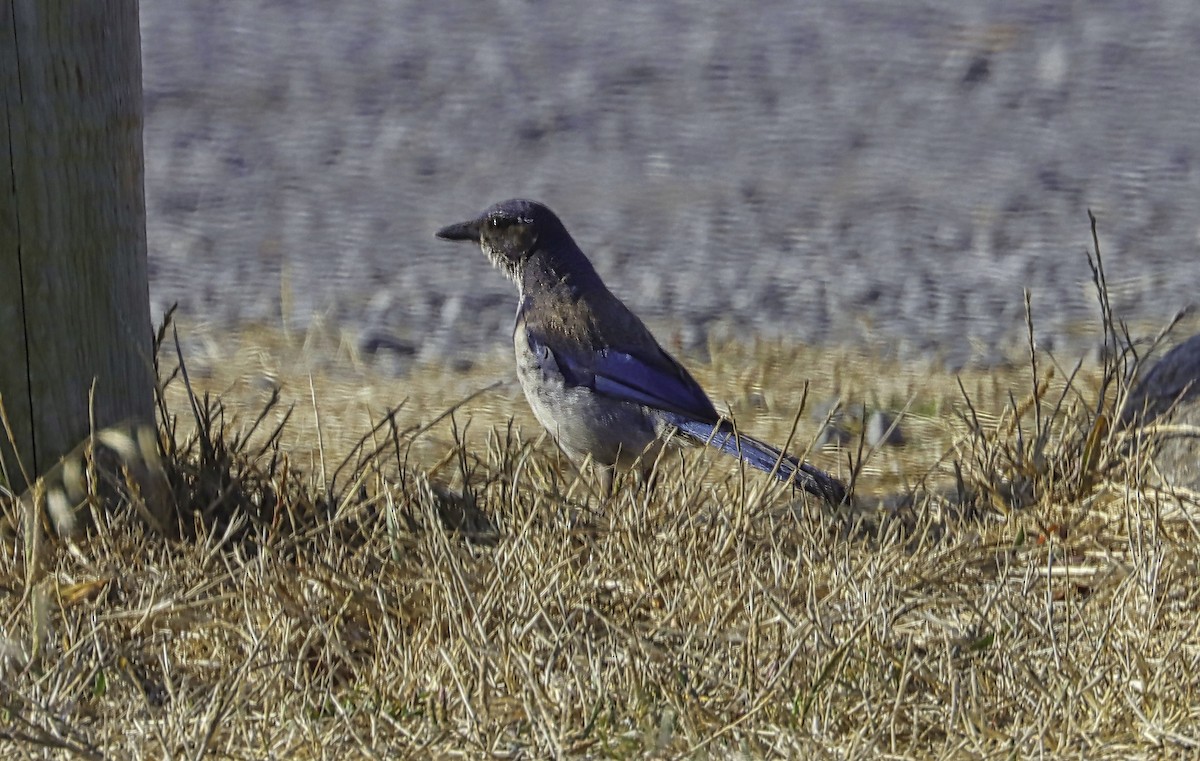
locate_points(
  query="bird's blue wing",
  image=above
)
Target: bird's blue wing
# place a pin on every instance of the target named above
(665, 386)
(658, 382)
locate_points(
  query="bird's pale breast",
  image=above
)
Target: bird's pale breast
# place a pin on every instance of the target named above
(613, 432)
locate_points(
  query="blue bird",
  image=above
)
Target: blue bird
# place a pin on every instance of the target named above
(592, 372)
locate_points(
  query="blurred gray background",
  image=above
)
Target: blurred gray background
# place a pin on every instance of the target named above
(882, 173)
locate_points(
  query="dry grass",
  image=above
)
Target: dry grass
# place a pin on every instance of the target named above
(456, 589)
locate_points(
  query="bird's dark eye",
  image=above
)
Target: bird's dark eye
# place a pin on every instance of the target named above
(495, 222)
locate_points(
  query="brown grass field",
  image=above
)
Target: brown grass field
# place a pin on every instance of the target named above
(1009, 584)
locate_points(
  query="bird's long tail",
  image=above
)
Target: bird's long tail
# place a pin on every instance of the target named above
(764, 457)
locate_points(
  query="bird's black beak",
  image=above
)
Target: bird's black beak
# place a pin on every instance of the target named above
(461, 231)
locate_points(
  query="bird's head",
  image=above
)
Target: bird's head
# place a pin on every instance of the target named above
(509, 233)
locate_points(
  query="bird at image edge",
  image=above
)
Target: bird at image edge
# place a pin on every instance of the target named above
(596, 378)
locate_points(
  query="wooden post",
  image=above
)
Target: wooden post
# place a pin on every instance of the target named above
(74, 303)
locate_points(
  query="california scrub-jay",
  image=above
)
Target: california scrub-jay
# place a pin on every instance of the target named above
(592, 372)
